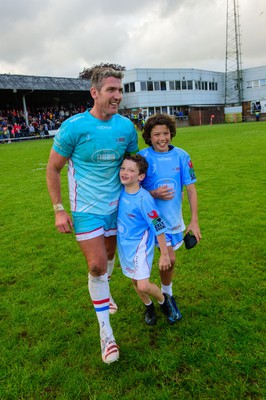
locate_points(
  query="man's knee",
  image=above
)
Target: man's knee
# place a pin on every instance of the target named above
(97, 268)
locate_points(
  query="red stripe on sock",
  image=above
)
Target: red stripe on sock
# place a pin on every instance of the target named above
(101, 301)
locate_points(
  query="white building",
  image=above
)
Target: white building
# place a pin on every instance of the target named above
(179, 90)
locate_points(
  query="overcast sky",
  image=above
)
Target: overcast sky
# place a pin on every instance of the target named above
(62, 37)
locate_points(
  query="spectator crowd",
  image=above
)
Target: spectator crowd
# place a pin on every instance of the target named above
(13, 122)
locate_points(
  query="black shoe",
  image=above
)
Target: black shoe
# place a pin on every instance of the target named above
(179, 315)
(168, 309)
(150, 316)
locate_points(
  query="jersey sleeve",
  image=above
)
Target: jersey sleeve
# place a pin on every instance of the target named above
(188, 173)
(63, 141)
(132, 146)
(151, 214)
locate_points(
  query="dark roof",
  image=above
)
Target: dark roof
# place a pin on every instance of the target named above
(27, 82)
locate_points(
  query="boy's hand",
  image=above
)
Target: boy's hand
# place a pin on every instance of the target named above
(164, 262)
(194, 228)
(163, 192)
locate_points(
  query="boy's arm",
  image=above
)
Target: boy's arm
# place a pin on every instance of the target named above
(193, 203)
(164, 261)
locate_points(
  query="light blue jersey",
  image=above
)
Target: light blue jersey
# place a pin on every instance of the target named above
(95, 150)
(174, 169)
(137, 225)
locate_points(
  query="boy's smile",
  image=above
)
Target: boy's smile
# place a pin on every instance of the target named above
(160, 138)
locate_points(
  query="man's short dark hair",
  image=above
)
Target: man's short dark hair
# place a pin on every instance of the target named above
(100, 73)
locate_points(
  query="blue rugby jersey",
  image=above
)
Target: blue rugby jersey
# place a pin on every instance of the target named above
(95, 150)
(138, 223)
(174, 169)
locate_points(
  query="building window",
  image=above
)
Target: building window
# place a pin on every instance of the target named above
(184, 85)
(156, 85)
(262, 82)
(199, 83)
(172, 85)
(132, 87)
(177, 85)
(143, 86)
(163, 85)
(129, 87)
(150, 86)
(190, 85)
(196, 85)
(151, 110)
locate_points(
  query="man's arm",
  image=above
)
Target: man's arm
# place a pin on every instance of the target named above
(193, 203)
(55, 164)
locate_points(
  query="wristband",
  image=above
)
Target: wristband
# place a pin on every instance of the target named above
(58, 207)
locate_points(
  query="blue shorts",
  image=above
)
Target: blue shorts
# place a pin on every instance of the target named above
(175, 240)
(89, 226)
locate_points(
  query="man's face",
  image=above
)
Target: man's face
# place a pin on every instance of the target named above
(108, 98)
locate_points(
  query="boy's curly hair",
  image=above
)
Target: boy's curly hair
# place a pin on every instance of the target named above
(158, 119)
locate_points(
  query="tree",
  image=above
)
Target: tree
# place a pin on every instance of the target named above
(87, 72)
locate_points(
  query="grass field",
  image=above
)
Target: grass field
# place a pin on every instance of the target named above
(49, 333)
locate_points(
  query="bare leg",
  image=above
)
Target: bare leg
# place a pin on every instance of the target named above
(145, 289)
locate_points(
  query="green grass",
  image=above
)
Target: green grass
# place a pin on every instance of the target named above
(49, 333)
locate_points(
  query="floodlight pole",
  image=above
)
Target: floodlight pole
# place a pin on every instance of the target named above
(233, 64)
(25, 107)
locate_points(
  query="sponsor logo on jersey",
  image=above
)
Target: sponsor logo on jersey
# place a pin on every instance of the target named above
(71, 120)
(153, 214)
(105, 155)
(191, 170)
(113, 203)
(103, 127)
(131, 215)
(156, 220)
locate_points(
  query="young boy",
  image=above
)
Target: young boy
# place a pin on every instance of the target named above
(137, 225)
(170, 168)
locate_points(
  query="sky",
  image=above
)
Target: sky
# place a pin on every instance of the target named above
(60, 38)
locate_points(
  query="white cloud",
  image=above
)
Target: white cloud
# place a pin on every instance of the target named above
(61, 38)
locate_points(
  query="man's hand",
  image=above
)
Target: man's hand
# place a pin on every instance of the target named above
(63, 222)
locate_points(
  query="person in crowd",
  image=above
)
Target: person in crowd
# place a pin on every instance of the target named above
(170, 169)
(94, 143)
(138, 224)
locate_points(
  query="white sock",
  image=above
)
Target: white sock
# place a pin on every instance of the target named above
(99, 293)
(110, 268)
(148, 304)
(167, 289)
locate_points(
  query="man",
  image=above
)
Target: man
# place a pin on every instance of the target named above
(94, 143)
